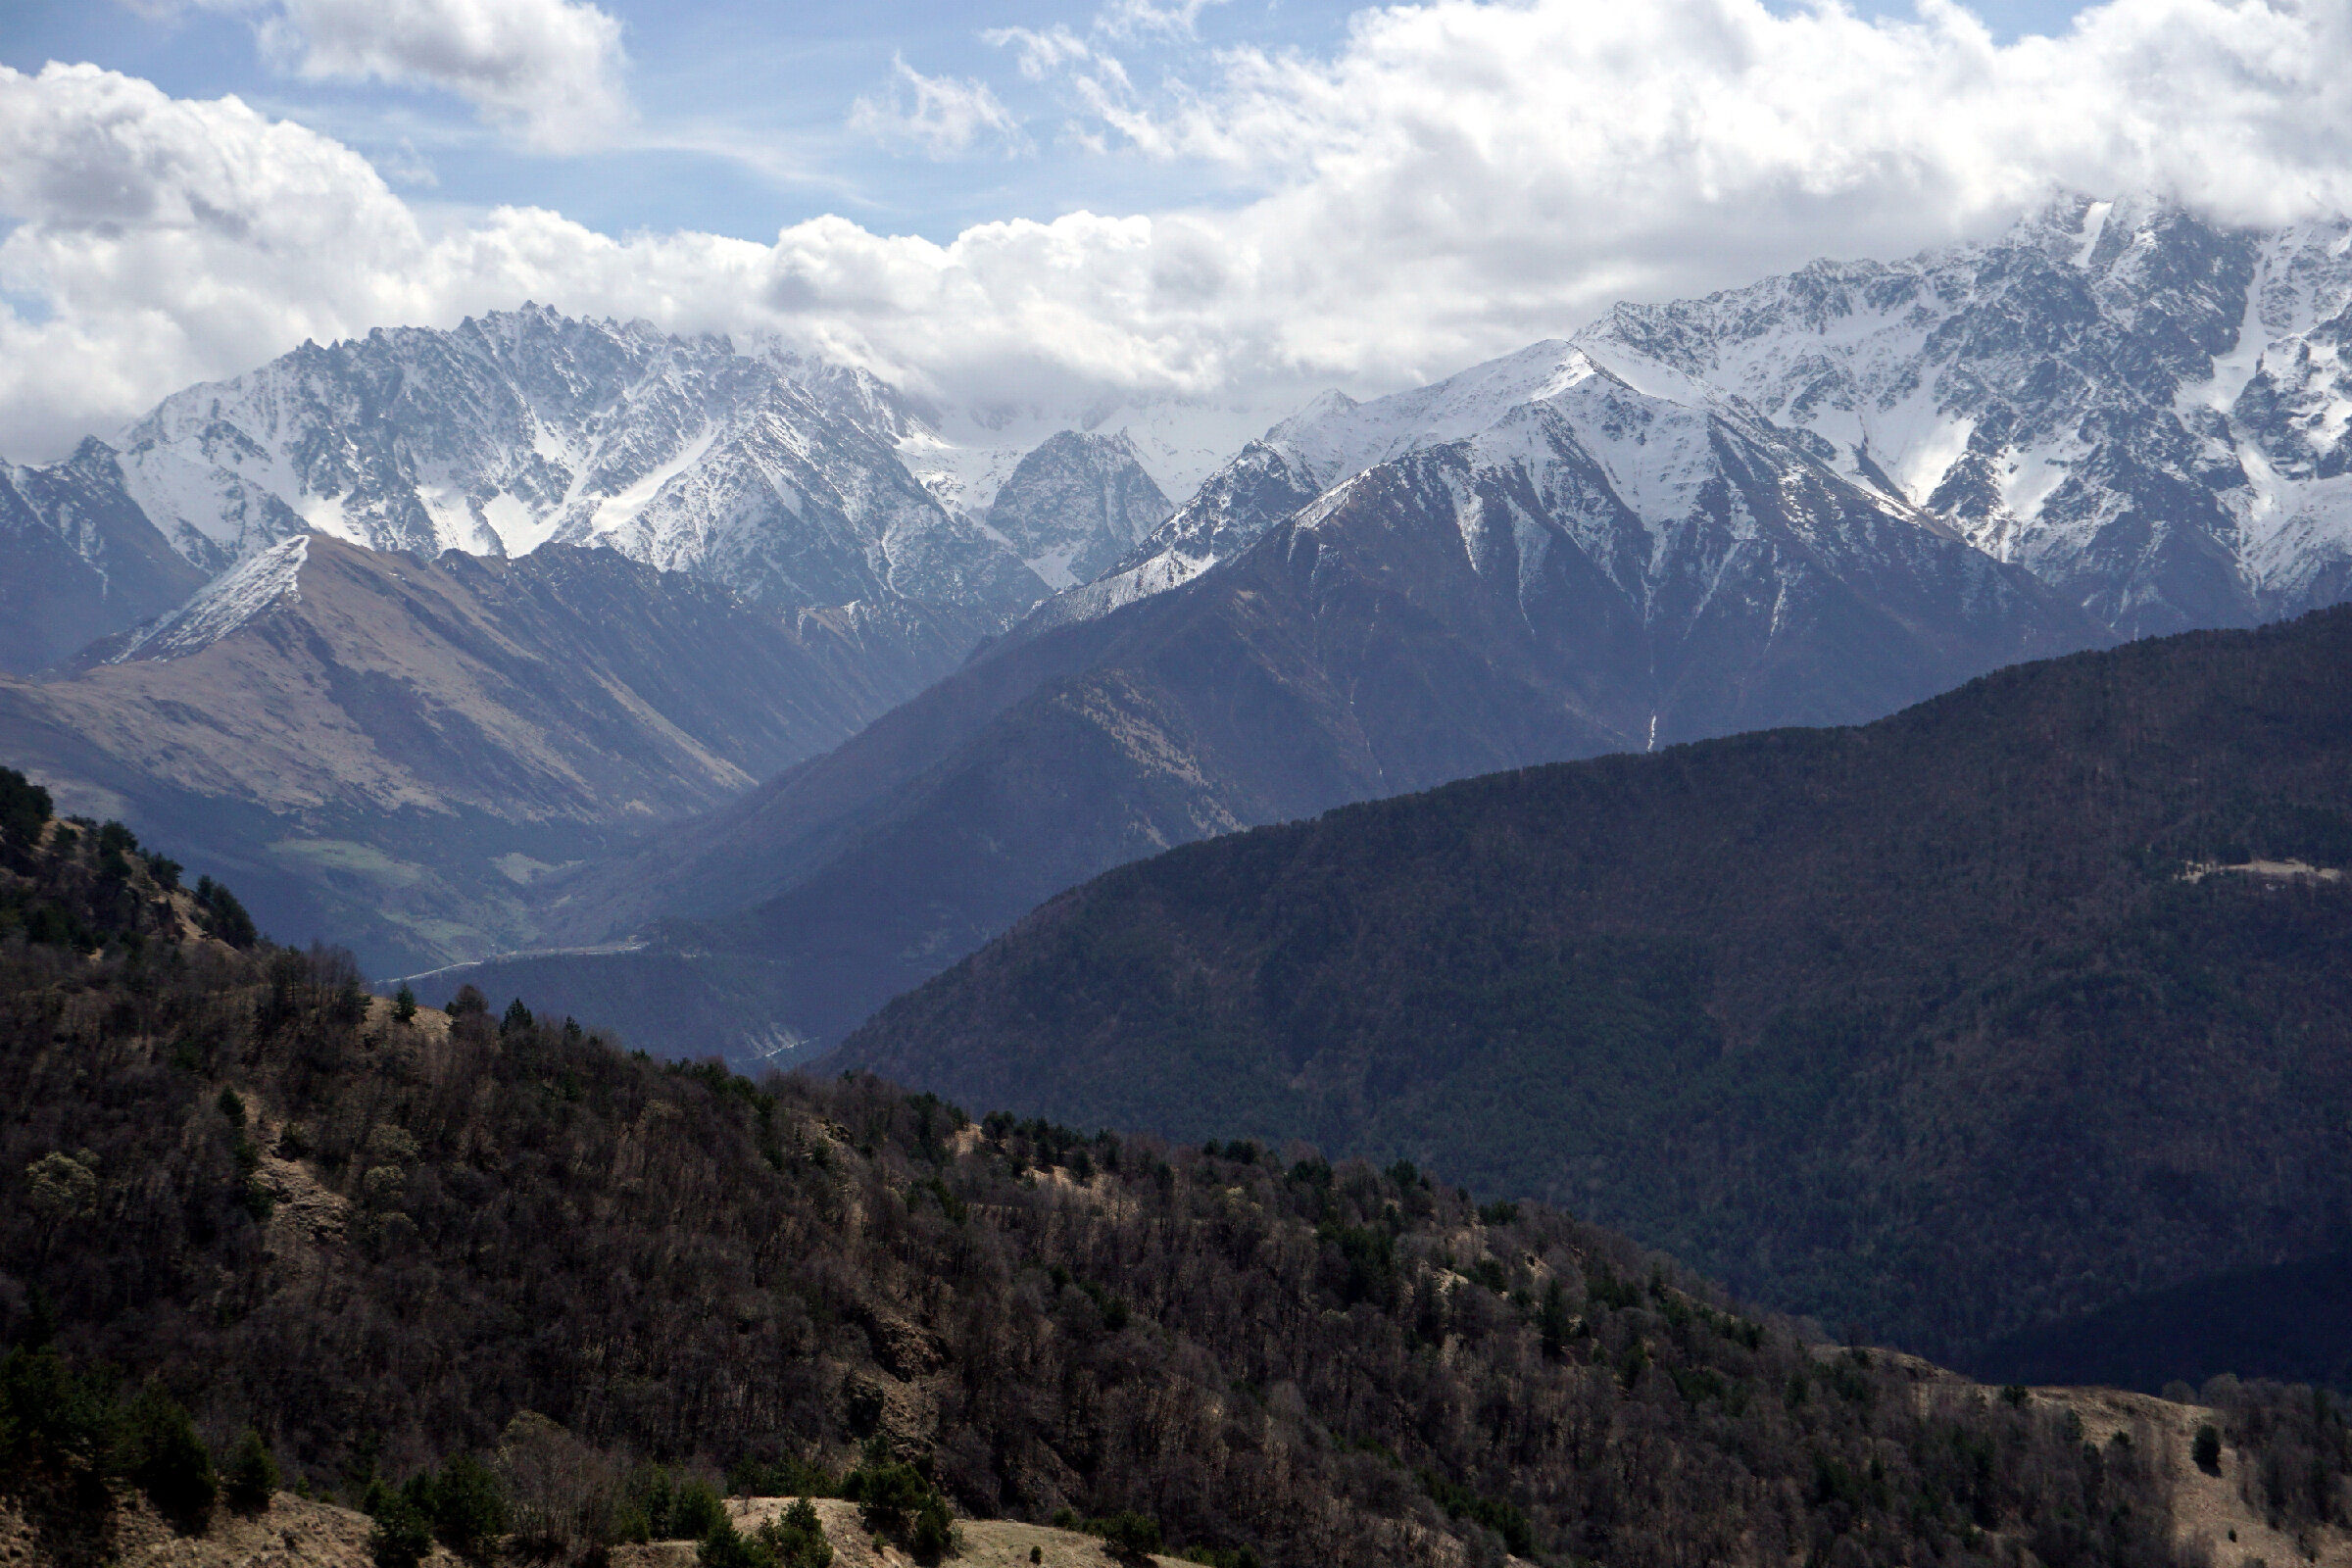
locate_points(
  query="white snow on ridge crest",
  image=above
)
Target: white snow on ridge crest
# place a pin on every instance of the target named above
(229, 601)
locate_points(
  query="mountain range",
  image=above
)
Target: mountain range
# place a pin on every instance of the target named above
(1785, 504)
(1598, 568)
(774, 477)
(1813, 500)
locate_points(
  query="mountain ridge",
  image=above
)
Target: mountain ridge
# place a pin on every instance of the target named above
(1836, 1011)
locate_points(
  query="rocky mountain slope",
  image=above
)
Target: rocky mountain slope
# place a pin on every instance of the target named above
(2143, 409)
(388, 1241)
(392, 747)
(1599, 567)
(1998, 1012)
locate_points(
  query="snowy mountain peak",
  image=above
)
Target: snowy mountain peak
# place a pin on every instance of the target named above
(2133, 403)
(1329, 441)
(1076, 503)
(770, 473)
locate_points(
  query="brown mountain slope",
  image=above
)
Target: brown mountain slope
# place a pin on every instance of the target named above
(390, 749)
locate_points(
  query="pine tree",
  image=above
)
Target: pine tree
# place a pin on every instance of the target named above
(252, 1478)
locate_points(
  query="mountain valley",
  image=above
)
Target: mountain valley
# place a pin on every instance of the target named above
(393, 748)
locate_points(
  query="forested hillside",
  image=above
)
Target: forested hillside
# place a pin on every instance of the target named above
(2003, 1009)
(241, 1186)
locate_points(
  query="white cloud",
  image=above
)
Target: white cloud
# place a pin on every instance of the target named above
(1456, 180)
(1041, 50)
(942, 117)
(1128, 18)
(550, 69)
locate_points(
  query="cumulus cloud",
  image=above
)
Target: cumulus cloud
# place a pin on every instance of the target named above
(550, 69)
(942, 117)
(1454, 180)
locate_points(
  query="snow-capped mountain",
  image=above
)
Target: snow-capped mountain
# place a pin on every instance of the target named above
(964, 455)
(1547, 560)
(2148, 412)
(1076, 503)
(2151, 413)
(789, 480)
(1332, 439)
(525, 428)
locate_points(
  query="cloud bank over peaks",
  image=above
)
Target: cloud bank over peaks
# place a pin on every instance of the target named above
(1456, 180)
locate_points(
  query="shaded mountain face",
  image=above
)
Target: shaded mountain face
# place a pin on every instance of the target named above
(1075, 505)
(1600, 568)
(79, 560)
(2014, 1006)
(2290, 1322)
(763, 475)
(393, 748)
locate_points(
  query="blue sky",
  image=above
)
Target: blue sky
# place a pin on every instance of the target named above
(743, 108)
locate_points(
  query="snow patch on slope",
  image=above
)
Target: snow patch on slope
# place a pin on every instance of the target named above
(229, 602)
